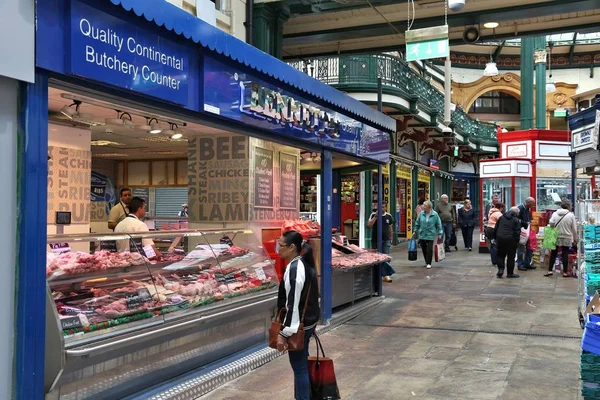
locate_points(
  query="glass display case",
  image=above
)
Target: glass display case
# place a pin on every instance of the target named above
(108, 285)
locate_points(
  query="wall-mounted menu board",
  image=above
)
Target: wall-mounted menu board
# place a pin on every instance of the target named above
(263, 177)
(288, 188)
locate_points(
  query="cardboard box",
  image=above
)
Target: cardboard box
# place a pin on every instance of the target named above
(594, 306)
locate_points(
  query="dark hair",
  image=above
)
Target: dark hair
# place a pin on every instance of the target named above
(421, 201)
(500, 205)
(302, 247)
(136, 204)
(123, 190)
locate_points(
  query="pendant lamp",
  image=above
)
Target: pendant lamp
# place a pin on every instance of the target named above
(550, 87)
(490, 68)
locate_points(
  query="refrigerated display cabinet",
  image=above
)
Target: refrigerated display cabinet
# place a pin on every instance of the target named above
(121, 315)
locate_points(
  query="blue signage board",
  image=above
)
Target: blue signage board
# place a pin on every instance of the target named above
(107, 49)
(239, 96)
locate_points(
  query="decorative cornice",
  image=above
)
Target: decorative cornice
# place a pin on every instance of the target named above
(514, 61)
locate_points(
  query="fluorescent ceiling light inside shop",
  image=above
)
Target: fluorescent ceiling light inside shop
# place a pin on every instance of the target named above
(491, 25)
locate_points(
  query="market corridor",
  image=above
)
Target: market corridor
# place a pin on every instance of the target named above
(452, 332)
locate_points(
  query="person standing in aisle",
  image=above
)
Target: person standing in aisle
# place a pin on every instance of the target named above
(507, 233)
(447, 214)
(494, 215)
(132, 224)
(466, 220)
(387, 222)
(427, 230)
(566, 223)
(418, 208)
(523, 254)
(488, 208)
(119, 210)
(298, 287)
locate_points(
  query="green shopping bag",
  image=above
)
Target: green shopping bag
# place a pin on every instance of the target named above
(550, 237)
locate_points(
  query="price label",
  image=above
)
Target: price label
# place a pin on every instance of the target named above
(144, 294)
(133, 301)
(149, 251)
(70, 322)
(59, 248)
(260, 273)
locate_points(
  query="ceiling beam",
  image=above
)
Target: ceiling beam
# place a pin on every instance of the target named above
(498, 50)
(553, 7)
(306, 54)
(301, 8)
(572, 49)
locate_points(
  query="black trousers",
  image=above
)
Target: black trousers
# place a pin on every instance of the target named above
(467, 232)
(427, 247)
(506, 255)
(565, 259)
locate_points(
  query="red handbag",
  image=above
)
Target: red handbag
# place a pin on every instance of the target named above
(323, 385)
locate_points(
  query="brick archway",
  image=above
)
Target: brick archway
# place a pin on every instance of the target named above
(465, 94)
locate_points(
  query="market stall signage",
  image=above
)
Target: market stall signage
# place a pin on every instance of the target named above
(288, 177)
(98, 189)
(404, 173)
(587, 137)
(424, 176)
(70, 322)
(263, 177)
(59, 248)
(233, 94)
(409, 211)
(113, 51)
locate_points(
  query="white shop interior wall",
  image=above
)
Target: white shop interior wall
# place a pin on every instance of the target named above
(71, 138)
(9, 89)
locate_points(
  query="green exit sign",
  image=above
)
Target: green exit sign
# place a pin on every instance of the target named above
(437, 48)
(560, 112)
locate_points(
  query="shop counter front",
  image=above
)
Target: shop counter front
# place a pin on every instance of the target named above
(123, 315)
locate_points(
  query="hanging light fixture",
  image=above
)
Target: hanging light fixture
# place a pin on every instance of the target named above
(550, 87)
(490, 68)
(115, 121)
(177, 134)
(155, 126)
(144, 127)
(69, 111)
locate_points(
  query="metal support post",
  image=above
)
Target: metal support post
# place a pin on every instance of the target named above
(326, 237)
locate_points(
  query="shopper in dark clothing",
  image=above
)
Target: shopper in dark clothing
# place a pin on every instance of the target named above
(507, 232)
(387, 234)
(523, 254)
(299, 283)
(466, 220)
(447, 213)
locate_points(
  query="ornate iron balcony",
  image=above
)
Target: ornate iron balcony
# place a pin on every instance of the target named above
(352, 73)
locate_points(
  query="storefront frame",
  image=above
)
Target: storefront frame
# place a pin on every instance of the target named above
(30, 332)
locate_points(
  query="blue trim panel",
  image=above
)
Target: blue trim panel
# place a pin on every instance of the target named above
(31, 275)
(184, 24)
(326, 237)
(583, 118)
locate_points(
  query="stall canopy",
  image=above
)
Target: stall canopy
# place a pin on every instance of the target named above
(184, 24)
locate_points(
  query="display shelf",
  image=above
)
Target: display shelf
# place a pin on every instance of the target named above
(103, 299)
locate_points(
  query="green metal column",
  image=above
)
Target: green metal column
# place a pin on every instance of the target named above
(369, 205)
(268, 20)
(393, 201)
(262, 31)
(432, 190)
(527, 83)
(540, 82)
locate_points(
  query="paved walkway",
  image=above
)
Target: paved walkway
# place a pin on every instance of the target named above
(452, 332)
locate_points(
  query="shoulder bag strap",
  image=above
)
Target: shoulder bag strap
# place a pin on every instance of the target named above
(306, 301)
(556, 226)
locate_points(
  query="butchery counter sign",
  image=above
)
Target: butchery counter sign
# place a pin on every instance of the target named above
(263, 178)
(69, 182)
(218, 178)
(236, 95)
(288, 180)
(111, 50)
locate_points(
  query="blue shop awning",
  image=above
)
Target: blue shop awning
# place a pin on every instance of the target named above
(182, 23)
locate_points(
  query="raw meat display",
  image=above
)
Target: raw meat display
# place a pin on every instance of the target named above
(359, 260)
(336, 253)
(306, 228)
(78, 262)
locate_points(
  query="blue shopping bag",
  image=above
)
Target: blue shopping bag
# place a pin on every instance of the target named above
(412, 250)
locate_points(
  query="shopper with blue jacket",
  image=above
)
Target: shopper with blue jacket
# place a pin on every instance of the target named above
(427, 229)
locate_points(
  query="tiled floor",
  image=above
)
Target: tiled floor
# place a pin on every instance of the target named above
(452, 332)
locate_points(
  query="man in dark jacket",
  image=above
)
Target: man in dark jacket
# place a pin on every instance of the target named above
(523, 254)
(508, 231)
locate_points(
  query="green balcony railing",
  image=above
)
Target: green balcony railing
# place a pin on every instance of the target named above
(397, 76)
